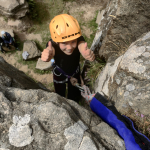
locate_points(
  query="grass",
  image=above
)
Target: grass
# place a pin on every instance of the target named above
(141, 122)
(51, 86)
(93, 71)
(93, 27)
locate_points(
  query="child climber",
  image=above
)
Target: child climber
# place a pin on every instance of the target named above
(65, 46)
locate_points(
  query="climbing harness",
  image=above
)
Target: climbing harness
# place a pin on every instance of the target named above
(62, 72)
(65, 74)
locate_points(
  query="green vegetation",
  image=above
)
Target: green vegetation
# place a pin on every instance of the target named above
(141, 122)
(5, 18)
(93, 26)
(93, 71)
(33, 12)
(51, 86)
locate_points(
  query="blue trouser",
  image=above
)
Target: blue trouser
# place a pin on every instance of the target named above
(123, 125)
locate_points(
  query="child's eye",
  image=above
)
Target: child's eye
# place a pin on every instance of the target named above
(74, 41)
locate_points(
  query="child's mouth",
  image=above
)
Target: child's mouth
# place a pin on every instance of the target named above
(69, 51)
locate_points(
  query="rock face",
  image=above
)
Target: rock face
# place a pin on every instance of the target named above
(20, 24)
(126, 80)
(43, 121)
(20, 132)
(35, 119)
(121, 23)
(14, 8)
(12, 77)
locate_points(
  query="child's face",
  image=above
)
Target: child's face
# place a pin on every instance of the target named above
(68, 47)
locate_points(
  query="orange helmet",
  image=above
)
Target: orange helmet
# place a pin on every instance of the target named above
(64, 28)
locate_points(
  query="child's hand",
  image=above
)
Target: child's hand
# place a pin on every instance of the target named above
(87, 53)
(73, 81)
(47, 53)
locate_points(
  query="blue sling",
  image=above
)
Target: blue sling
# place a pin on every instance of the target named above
(123, 125)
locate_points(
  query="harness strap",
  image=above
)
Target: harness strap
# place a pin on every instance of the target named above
(65, 74)
(61, 81)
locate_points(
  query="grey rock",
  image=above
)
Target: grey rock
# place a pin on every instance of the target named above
(44, 65)
(139, 61)
(31, 48)
(118, 81)
(126, 93)
(74, 135)
(106, 76)
(147, 36)
(130, 87)
(146, 54)
(19, 132)
(14, 8)
(107, 137)
(87, 144)
(53, 121)
(21, 24)
(133, 71)
(120, 24)
(12, 77)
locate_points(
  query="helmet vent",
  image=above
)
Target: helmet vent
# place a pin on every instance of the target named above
(67, 24)
(70, 35)
(56, 26)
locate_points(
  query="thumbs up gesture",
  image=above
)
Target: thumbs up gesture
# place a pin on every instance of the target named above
(48, 53)
(86, 53)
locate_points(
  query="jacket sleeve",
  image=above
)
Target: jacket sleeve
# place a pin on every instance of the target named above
(5, 41)
(10, 38)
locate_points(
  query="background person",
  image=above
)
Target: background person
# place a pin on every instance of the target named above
(8, 40)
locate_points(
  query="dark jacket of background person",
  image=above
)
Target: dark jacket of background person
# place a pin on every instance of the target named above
(8, 38)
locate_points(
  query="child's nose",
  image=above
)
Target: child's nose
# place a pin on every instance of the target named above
(69, 46)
